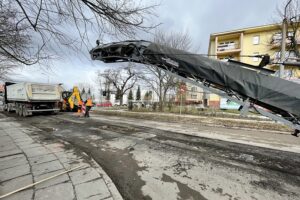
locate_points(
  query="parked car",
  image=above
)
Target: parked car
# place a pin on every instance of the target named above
(104, 104)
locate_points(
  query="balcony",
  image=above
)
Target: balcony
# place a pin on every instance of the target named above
(277, 38)
(289, 57)
(228, 47)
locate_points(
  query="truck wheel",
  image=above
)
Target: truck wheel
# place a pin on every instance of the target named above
(20, 110)
(25, 112)
(5, 107)
(8, 108)
(17, 109)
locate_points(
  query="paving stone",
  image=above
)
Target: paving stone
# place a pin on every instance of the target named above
(14, 172)
(37, 151)
(98, 197)
(21, 140)
(25, 143)
(13, 125)
(2, 133)
(69, 154)
(42, 159)
(5, 139)
(23, 195)
(7, 158)
(13, 162)
(10, 152)
(46, 167)
(84, 175)
(7, 146)
(56, 147)
(16, 183)
(94, 188)
(110, 198)
(30, 146)
(19, 136)
(57, 180)
(75, 163)
(61, 191)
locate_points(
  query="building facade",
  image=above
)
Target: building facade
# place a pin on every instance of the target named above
(243, 44)
(191, 94)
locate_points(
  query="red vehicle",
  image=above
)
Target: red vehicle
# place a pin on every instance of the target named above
(104, 104)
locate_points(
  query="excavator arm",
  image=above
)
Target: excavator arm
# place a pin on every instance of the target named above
(251, 87)
(75, 98)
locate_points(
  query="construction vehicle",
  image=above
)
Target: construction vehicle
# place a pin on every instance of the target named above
(26, 98)
(253, 87)
(72, 101)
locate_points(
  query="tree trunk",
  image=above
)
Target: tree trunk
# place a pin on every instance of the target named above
(121, 99)
(161, 106)
(161, 103)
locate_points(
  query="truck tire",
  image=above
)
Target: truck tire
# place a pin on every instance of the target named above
(24, 111)
(9, 108)
(17, 109)
(20, 110)
(5, 107)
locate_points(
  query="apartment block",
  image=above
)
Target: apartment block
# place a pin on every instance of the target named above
(241, 44)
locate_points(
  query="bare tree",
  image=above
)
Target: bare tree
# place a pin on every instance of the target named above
(84, 85)
(157, 79)
(122, 79)
(11, 40)
(292, 17)
(52, 23)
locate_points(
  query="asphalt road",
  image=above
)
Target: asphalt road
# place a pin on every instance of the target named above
(148, 162)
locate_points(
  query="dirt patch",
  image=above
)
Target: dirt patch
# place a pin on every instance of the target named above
(202, 120)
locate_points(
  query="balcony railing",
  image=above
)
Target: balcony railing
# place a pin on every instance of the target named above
(228, 47)
(276, 41)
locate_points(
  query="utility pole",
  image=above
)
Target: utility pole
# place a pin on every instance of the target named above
(283, 40)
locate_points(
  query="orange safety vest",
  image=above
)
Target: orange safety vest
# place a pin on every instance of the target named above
(89, 102)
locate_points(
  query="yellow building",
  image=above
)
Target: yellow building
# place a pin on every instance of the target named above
(242, 43)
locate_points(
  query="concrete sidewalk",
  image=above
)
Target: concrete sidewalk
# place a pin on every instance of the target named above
(24, 159)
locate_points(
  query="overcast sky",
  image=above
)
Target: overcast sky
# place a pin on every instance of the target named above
(199, 17)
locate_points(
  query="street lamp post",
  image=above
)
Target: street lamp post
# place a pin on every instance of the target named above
(283, 40)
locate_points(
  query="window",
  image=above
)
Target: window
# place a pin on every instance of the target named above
(290, 34)
(255, 59)
(256, 40)
(194, 89)
(193, 96)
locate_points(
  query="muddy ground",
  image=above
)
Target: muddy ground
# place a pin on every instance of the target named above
(146, 161)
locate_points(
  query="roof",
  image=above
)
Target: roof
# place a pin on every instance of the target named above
(247, 30)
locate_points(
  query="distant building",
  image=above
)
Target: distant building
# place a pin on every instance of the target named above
(259, 40)
(192, 95)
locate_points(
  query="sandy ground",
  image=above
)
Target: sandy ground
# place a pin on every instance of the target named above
(159, 160)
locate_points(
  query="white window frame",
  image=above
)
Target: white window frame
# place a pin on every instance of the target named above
(256, 40)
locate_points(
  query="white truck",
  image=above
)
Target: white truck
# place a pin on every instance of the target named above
(25, 98)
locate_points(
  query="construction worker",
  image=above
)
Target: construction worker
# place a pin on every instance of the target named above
(88, 104)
